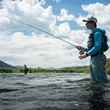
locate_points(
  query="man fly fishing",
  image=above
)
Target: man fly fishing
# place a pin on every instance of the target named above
(97, 45)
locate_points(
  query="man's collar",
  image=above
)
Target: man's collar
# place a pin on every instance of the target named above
(94, 30)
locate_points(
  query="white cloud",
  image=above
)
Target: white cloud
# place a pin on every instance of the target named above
(79, 37)
(36, 51)
(36, 48)
(64, 28)
(22, 48)
(34, 15)
(3, 18)
(99, 10)
(65, 16)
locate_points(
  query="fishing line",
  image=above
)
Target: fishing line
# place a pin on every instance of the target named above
(39, 29)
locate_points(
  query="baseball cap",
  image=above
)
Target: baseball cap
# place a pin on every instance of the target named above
(90, 19)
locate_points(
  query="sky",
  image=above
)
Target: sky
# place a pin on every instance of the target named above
(21, 44)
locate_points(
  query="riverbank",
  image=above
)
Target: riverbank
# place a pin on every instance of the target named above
(79, 69)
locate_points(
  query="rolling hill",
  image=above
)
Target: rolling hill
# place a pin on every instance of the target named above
(5, 65)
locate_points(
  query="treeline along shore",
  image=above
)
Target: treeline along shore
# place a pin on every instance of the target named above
(79, 69)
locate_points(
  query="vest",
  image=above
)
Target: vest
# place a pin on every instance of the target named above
(104, 47)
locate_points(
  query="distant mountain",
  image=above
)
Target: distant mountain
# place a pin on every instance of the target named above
(5, 65)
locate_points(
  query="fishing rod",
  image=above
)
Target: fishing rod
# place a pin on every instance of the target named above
(39, 29)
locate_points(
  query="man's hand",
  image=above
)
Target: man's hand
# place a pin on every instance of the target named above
(82, 56)
(81, 52)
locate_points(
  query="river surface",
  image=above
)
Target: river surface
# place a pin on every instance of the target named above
(56, 92)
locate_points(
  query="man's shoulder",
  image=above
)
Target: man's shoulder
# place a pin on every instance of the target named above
(99, 30)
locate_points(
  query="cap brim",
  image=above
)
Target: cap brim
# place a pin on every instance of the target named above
(85, 20)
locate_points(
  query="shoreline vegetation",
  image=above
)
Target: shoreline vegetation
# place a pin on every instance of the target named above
(79, 69)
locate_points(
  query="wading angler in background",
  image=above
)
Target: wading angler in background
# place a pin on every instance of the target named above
(97, 45)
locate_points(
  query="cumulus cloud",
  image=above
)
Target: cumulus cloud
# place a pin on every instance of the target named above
(20, 44)
(36, 51)
(99, 10)
(3, 18)
(64, 28)
(65, 16)
(24, 10)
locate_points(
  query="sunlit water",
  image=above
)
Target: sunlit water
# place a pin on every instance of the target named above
(64, 92)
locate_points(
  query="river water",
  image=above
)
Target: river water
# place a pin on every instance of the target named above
(54, 92)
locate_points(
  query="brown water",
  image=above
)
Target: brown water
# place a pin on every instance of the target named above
(64, 92)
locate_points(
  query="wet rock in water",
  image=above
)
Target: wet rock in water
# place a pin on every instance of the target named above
(7, 90)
